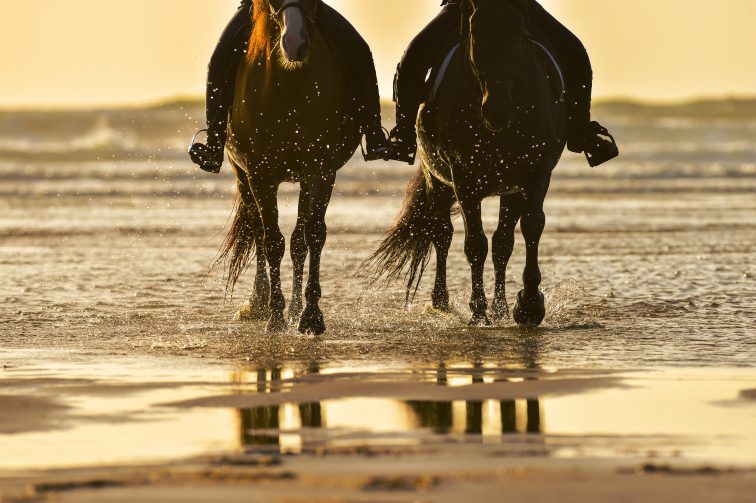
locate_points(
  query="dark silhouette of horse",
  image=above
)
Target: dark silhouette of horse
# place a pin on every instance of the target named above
(496, 126)
(289, 122)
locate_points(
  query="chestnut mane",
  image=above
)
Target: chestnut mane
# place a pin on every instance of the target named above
(260, 44)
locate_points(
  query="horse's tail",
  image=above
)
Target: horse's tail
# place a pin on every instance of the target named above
(408, 244)
(238, 249)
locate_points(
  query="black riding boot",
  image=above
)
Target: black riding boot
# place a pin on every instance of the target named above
(360, 66)
(221, 79)
(403, 137)
(376, 143)
(209, 157)
(599, 145)
(409, 82)
(583, 135)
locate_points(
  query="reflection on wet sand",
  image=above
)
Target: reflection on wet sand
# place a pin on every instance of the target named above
(322, 406)
(302, 427)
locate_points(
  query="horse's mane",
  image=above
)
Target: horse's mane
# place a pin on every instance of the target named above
(260, 44)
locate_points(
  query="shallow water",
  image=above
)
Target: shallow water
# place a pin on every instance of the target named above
(106, 234)
(640, 280)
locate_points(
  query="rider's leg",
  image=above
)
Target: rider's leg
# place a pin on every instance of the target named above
(409, 83)
(221, 78)
(584, 135)
(360, 61)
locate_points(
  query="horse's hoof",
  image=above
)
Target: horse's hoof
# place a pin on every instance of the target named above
(276, 324)
(311, 321)
(444, 307)
(441, 302)
(529, 311)
(500, 310)
(480, 320)
(295, 312)
(253, 310)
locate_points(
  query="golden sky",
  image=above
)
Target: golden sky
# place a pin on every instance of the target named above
(88, 52)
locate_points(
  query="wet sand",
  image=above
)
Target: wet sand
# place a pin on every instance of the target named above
(157, 428)
(441, 475)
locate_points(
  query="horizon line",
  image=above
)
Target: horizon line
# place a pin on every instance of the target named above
(199, 98)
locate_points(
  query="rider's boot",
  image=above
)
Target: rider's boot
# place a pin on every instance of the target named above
(592, 139)
(599, 145)
(210, 156)
(403, 140)
(377, 146)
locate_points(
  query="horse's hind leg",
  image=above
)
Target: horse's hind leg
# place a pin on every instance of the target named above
(299, 255)
(321, 188)
(256, 308)
(443, 233)
(260, 299)
(476, 250)
(275, 247)
(530, 309)
(510, 210)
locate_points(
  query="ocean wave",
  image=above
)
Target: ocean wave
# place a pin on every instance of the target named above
(713, 132)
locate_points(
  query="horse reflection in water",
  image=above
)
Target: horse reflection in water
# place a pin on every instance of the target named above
(438, 417)
(262, 428)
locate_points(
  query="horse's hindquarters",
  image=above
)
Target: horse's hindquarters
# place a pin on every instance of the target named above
(458, 147)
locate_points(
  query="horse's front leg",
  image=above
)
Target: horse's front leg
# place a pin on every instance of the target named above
(476, 250)
(321, 187)
(510, 210)
(275, 247)
(531, 309)
(299, 254)
(256, 308)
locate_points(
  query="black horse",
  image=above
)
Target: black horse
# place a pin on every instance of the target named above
(495, 126)
(290, 122)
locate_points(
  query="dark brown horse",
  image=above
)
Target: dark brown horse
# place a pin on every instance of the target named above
(290, 122)
(477, 143)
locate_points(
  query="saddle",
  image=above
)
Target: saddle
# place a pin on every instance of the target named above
(440, 68)
(439, 72)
